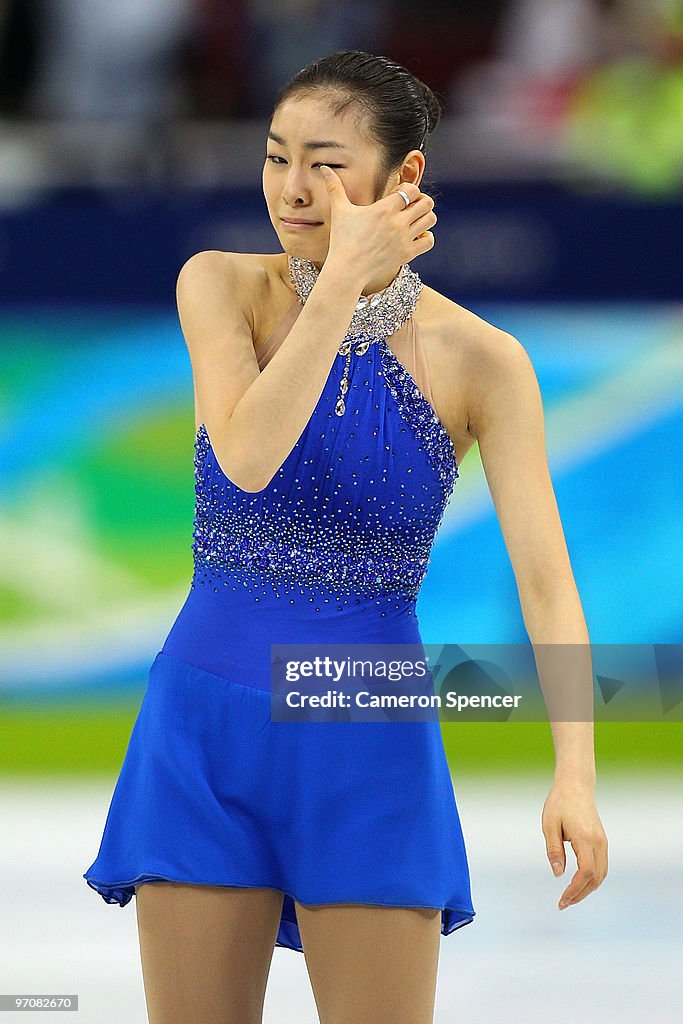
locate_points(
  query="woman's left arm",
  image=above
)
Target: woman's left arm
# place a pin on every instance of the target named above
(506, 417)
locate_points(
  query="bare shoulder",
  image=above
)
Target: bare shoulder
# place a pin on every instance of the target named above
(218, 294)
(459, 332)
(255, 280)
(214, 267)
(469, 358)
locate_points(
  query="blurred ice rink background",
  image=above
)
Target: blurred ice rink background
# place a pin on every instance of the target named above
(613, 958)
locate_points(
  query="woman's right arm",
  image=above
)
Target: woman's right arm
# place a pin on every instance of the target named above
(254, 418)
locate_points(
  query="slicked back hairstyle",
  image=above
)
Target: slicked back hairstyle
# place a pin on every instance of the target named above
(396, 111)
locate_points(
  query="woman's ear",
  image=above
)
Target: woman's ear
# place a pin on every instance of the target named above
(413, 168)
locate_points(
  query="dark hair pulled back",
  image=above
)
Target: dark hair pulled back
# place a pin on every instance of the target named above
(398, 111)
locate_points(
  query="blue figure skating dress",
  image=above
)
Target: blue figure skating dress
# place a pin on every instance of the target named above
(212, 789)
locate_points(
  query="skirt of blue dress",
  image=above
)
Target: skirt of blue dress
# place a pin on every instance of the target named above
(212, 791)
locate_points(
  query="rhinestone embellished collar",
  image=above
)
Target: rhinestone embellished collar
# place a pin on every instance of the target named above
(380, 313)
(375, 317)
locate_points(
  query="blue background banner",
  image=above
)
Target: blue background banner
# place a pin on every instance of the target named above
(521, 241)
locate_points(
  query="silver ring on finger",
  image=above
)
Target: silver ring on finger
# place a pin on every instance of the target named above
(405, 196)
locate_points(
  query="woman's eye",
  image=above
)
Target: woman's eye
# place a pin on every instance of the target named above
(274, 158)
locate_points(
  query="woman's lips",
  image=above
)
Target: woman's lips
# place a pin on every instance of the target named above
(302, 226)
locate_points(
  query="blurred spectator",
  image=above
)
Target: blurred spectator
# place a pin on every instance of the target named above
(543, 48)
(103, 60)
(219, 60)
(439, 38)
(17, 54)
(286, 36)
(626, 118)
(599, 81)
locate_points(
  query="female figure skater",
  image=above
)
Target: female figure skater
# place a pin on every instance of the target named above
(335, 396)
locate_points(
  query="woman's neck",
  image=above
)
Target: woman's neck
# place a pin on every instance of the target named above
(376, 285)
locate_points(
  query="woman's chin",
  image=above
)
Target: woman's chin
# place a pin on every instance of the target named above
(310, 251)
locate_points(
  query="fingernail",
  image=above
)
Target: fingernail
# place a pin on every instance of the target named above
(557, 867)
(325, 171)
(564, 903)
